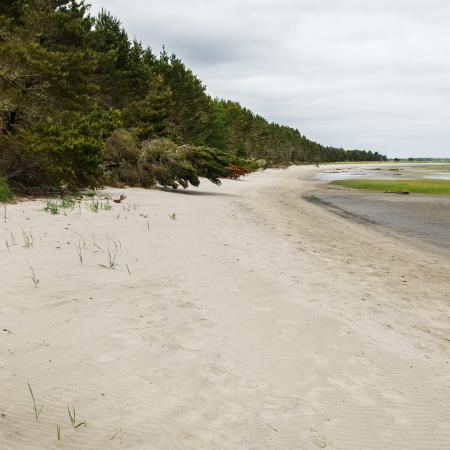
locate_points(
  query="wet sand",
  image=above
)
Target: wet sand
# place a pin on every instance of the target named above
(423, 218)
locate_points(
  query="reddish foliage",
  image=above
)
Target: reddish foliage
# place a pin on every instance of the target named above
(234, 171)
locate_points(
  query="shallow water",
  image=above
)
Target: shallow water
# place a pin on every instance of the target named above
(423, 217)
(387, 172)
(439, 175)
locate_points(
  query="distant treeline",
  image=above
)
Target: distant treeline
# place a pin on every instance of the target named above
(444, 160)
(81, 104)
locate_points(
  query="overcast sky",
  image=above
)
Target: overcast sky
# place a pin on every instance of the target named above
(352, 73)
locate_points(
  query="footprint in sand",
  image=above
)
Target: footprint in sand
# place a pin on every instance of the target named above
(190, 344)
(319, 441)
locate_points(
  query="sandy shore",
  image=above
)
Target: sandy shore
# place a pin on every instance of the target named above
(253, 320)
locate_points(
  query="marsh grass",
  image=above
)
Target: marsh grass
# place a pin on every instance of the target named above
(58, 432)
(423, 186)
(37, 411)
(73, 418)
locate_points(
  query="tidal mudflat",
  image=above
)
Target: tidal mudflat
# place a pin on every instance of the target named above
(385, 171)
(423, 217)
(419, 216)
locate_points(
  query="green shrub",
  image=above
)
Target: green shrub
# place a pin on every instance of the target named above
(214, 164)
(163, 162)
(121, 152)
(121, 146)
(5, 191)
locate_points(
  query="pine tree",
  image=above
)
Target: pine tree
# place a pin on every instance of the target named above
(150, 117)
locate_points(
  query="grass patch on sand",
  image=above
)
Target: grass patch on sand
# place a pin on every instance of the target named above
(55, 207)
(423, 186)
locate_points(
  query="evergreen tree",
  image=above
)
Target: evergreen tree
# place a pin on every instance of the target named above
(150, 117)
(68, 80)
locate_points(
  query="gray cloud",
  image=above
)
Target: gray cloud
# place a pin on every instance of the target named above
(351, 73)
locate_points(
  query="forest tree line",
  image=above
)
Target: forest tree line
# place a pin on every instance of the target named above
(81, 105)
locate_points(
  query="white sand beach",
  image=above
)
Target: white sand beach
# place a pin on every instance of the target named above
(236, 317)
